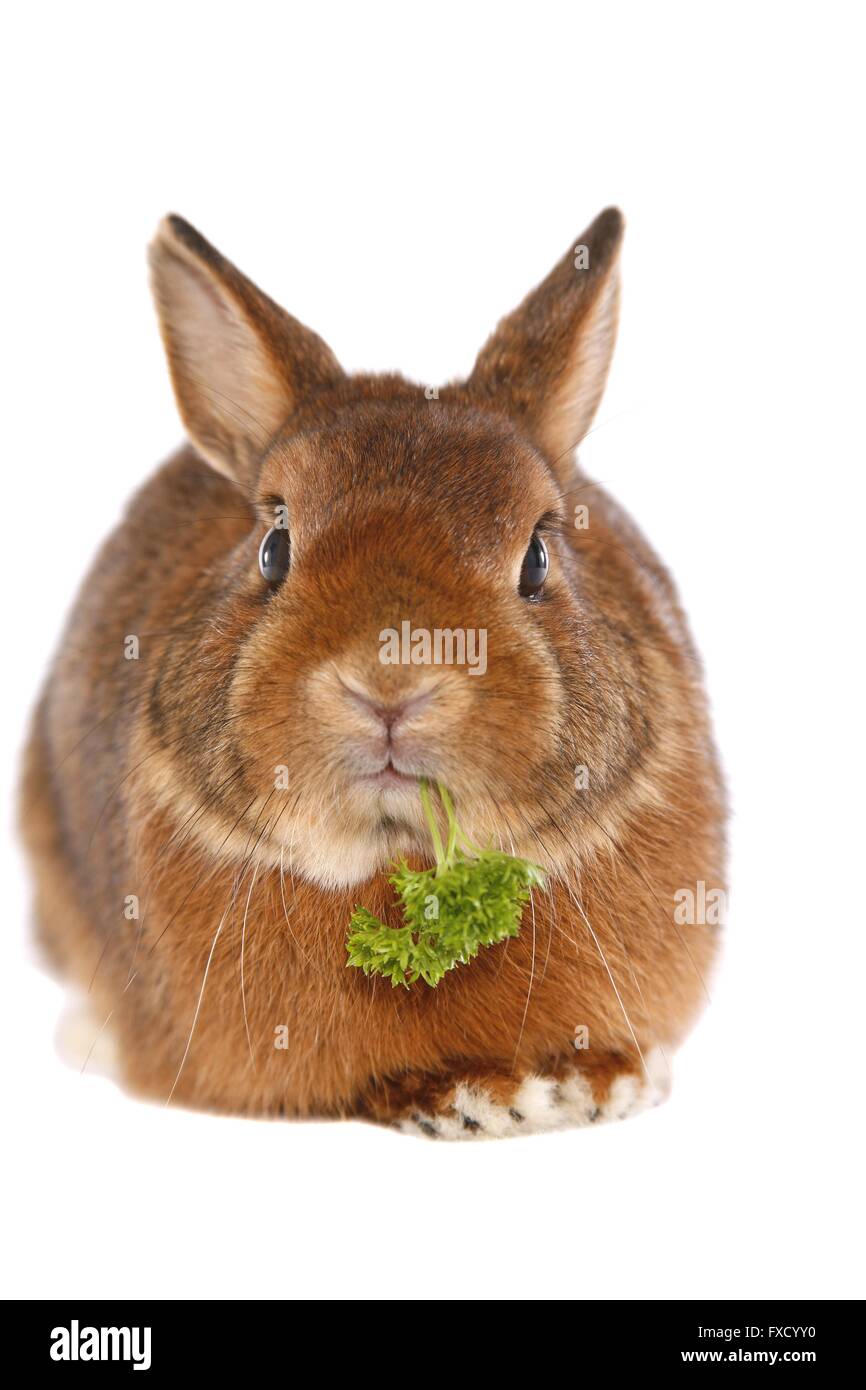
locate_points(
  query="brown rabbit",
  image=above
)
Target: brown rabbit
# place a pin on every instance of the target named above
(223, 765)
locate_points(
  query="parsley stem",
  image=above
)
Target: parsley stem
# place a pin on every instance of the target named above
(431, 821)
(453, 828)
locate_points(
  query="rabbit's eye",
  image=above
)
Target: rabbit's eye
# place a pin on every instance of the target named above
(274, 555)
(535, 566)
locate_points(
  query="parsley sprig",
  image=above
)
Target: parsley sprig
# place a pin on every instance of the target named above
(469, 899)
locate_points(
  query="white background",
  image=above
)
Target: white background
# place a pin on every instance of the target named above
(398, 177)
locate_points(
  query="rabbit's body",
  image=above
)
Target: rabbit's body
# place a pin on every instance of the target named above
(207, 802)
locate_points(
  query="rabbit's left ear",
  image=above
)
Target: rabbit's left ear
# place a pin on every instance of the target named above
(546, 364)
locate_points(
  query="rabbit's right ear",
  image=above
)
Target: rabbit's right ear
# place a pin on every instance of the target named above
(239, 364)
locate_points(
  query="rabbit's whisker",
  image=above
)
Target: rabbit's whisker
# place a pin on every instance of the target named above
(243, 939)
(528, 991)
(198, 1006)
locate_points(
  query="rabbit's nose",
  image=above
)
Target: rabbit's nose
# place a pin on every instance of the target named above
(389, 712)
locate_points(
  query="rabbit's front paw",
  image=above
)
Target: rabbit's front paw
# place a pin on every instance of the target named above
(496, 1107)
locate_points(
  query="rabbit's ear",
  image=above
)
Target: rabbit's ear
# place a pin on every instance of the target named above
(239, 364)
(547, 362)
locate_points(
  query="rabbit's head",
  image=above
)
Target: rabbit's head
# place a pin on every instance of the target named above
(406, 592)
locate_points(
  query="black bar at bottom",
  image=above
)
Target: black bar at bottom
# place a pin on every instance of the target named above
(154, 1338)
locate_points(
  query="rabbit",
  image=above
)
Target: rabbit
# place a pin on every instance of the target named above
(222, 765)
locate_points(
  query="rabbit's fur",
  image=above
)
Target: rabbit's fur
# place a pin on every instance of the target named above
(204, 906)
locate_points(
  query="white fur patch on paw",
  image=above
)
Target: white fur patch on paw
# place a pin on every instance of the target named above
(85, 1042)
(473, 1115)
(542, 1104)
(629, 1095)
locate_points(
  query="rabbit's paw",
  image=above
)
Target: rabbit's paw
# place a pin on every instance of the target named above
(84, 1041)
(496, 1107)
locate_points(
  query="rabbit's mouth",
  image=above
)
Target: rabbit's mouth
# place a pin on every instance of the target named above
(391, 777)
(395, 803)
